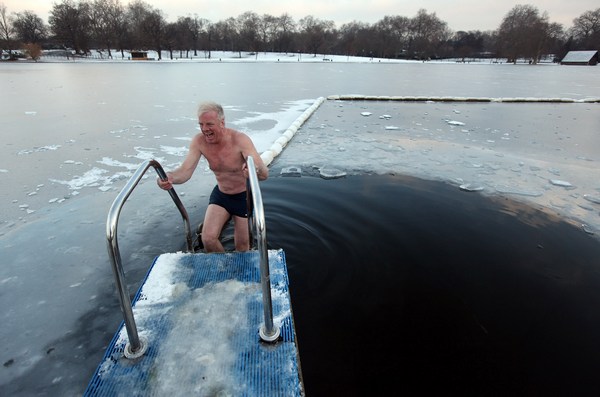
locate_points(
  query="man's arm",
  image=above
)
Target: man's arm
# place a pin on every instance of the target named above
(184, 172)
(248, 149)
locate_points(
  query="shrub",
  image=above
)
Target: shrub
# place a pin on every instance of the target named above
(34, 51)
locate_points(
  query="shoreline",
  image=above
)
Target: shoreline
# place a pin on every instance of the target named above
(261, 57)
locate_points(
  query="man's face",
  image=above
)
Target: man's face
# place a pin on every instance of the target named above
(211, 126)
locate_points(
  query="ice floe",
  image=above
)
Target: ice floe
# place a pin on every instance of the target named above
(39, 149)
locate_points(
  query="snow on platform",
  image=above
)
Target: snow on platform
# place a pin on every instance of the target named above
(200, 314)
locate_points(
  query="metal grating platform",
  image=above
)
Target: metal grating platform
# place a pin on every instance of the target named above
(200, 314)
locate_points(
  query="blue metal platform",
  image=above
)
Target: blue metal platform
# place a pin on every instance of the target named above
(200, 315)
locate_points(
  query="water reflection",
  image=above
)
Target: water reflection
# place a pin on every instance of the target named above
(417, 287)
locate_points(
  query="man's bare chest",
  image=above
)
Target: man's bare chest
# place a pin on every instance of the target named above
(223, 159)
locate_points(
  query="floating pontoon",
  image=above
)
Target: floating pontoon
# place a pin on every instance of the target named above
(203, 324)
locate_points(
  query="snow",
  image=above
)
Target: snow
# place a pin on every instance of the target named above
(208, 316)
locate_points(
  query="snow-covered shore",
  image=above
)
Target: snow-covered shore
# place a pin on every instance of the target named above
(244, 56)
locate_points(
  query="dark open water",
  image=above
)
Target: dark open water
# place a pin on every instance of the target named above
(413, 287)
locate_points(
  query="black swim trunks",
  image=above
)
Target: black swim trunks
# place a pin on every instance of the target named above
(235, 204)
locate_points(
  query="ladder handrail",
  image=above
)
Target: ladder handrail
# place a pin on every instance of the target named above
(269, 332)
(135, 347)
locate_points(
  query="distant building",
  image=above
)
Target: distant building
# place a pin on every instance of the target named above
(139, 56)
(580, 58)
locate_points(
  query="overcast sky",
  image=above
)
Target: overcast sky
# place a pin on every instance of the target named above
(459, 14)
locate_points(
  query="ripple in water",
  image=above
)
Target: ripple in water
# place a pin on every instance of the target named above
(415, 287)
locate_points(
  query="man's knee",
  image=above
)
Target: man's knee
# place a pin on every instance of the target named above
(211, 243)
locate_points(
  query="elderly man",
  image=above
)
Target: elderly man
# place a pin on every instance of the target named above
(226, 151)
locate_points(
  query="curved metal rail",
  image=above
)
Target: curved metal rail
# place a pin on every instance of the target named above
(269, 332)
(135, 347)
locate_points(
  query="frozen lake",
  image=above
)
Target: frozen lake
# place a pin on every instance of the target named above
(73, 134)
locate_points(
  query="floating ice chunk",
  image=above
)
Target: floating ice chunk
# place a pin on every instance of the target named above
(53, 200)
(23, 206)
(385, 116)
(291, 171)
(104, 188)
(584, 158)
(115, 163)
(30, 211)
(470, 187)
(391, 127)
(554, 171)
(31, 113)
(32, 194)
(3, 171)
(38, 149)
(517, 191)
(366, 114)
(592, 199)
(557, 182)
(331, 173)
(174, 151)
(588, 229)
(89, 179)
(454, 122)
(456, 111)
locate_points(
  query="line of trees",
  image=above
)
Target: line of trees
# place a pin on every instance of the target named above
(107, 25)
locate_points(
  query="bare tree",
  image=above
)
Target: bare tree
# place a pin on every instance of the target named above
(285, 29)
(30, 28)
(315, 33)
(469, 44)
(586, 30)
(523, 33)
(120, 26)
(248, 26)
(6, 30)
(192, 28)
(350, 38)
(136, 13)
(71, 23)
(183, 35)
(427, 34)
(174, 37)
(207, 38)
(267, 30)
(393, 34)
(154, 29)
(226, 35)
(106, 20)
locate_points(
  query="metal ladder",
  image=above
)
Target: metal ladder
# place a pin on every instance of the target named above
(136, 346)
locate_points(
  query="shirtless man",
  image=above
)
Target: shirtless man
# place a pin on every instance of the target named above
(226, 151)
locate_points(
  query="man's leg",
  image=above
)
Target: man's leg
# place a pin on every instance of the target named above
(214, 220)
(240, 233)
